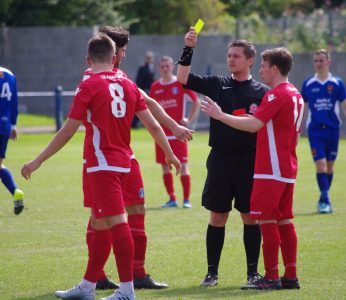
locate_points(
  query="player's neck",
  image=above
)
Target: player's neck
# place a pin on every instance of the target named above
(241, 76)
(277, 81)
(322, 76)
(101, 68)
(167, 79)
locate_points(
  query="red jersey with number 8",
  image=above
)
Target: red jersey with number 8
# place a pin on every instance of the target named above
(106, 104)
(281, 111)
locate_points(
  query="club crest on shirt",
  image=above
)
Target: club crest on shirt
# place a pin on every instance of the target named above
(253, 108)
(2, 74)
(175, 90)
(271, 97)
(330, 88)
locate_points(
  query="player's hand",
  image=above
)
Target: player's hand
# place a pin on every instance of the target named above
(211, 108)
(182, 133)
(191, 38)
(173, 160)
(30, 167)
(13, 135)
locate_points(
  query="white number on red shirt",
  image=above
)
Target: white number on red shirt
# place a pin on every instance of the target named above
(6, 91)
(298, 115)
(118, 104)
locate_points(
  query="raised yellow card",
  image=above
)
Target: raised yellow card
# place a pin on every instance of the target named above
(199, 25)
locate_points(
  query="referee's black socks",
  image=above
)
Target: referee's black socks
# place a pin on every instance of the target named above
(252, 242)
(214, 241)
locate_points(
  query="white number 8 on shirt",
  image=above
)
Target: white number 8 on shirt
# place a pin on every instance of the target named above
(118, 104)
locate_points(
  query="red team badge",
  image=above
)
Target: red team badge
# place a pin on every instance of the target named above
(330, 88)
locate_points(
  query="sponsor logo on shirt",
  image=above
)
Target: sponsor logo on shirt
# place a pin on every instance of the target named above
(271, 97)
(110, 77)
(168, 103)
(323, 104)
(330, 88)
(175, 90)
(158, 91)
(227, 87)
(253, 108)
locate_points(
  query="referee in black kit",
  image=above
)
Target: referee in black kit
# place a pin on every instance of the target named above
(231, 160)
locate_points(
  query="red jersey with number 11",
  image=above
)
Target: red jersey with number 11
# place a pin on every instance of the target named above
(106, 104)
(281, 111)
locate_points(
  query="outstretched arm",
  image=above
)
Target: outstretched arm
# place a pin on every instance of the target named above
(59, 140)
(245, 123)
(184, 65)
(182, 133)
(159, 136)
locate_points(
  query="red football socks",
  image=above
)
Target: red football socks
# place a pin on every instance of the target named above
(89, 236)
(99, 250)
(271, 245)
(288, 237)
(123, 249)
(168, 182)
(186, 183)
(137, 227)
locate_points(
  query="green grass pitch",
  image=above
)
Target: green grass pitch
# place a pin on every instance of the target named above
(44, 249)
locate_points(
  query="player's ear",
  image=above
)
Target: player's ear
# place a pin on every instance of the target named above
(114, 57)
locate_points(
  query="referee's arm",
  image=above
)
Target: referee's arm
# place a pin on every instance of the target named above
(245, 123)
(184, 63)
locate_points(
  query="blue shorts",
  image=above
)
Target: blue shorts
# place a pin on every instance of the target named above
(324, 143)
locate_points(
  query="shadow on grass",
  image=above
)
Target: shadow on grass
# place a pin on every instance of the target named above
(206, 293)
(180, 293)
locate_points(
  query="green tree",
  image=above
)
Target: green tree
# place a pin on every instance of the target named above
(60, 12)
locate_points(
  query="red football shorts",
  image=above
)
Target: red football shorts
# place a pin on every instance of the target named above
(134, 189)
(179, 149)
(106, 193)
(133, 192)
(271, 200)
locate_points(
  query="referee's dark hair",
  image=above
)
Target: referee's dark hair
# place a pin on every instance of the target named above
(279, 57)
(101, 48)
(119, 35)
(249, 48)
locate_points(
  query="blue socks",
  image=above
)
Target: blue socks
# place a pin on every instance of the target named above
(323, 184)
(7, 180)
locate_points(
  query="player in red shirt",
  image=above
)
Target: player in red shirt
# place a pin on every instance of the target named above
(172, 96)
(277, 120)
(134, 199)
(106, 105)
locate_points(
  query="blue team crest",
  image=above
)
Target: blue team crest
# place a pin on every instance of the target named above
(141, 193)
(175, 90)
(330, 88)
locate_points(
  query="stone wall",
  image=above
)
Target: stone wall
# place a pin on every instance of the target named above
(44, 57)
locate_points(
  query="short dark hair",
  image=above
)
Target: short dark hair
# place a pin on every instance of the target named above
(101, 48)
(279, 57)
(249, 48)
(119, 35)
(322, 51)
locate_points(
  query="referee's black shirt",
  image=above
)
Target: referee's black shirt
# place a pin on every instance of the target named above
(232, 96)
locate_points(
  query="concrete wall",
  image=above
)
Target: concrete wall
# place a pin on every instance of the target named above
(43, 58)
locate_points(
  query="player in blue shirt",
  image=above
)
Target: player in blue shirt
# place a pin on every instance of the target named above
(8, 120)
(324, 94)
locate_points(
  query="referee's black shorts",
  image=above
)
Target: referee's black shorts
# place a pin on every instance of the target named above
(230, 176)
